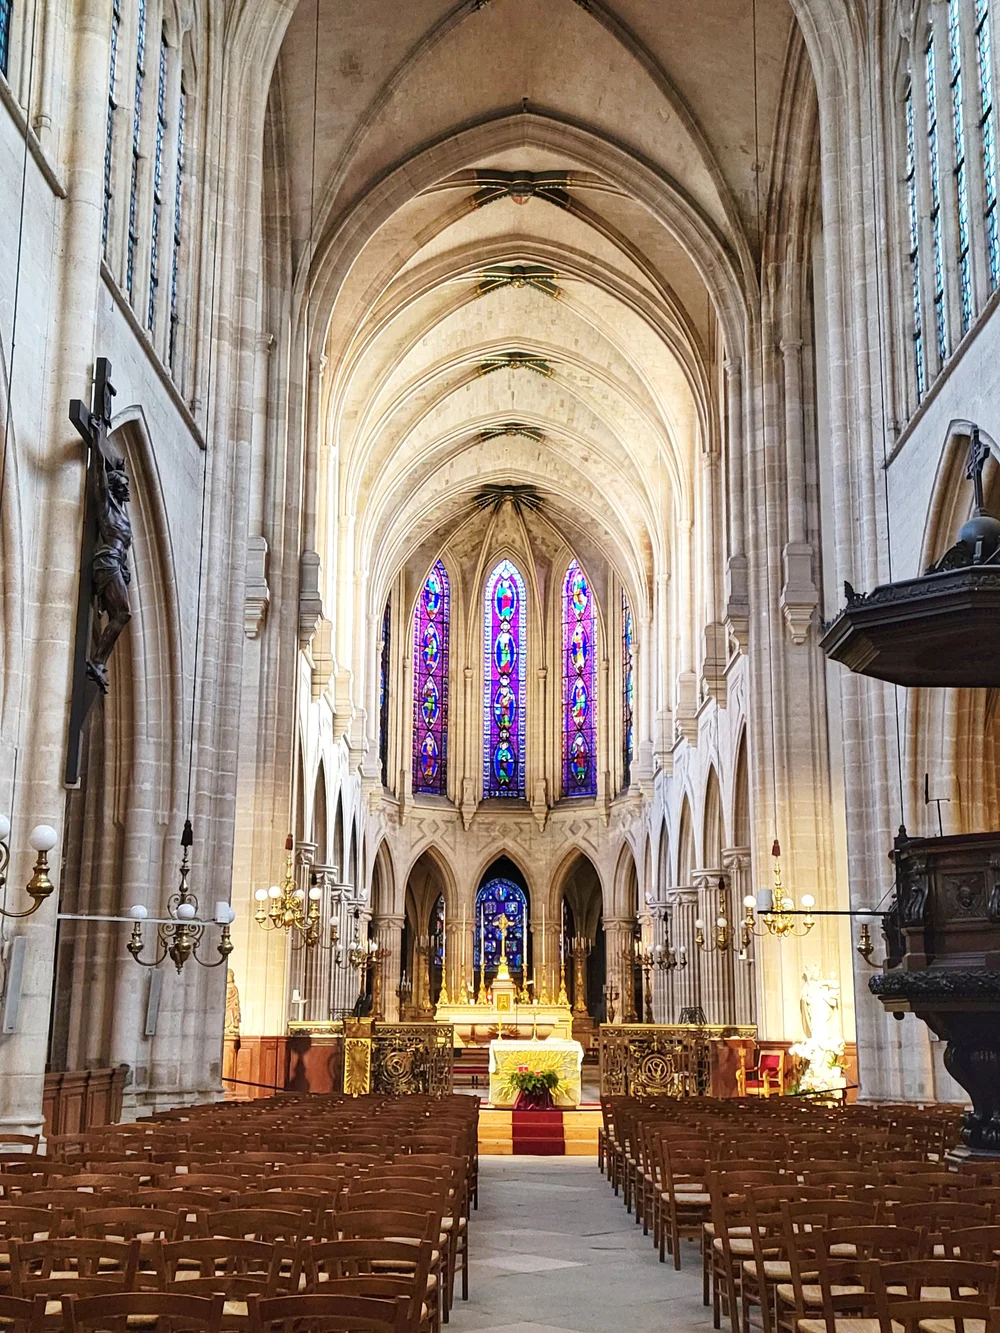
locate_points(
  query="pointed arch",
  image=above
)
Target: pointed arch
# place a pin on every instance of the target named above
(663, 860)
(431, 642)
(741, 795)
(502, 892)
(579, 694)
(505, 670)
(320, 822)
(685, 845)
(713, 835)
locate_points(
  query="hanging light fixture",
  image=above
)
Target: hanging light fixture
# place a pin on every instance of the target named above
(179, 936)
(288, 906)
(722, 934)
(775, 909)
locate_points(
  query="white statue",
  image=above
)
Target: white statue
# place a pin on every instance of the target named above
(822, 1050)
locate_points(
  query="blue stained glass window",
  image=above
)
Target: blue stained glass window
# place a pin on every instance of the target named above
(133, 201)
(987, 129)
(919, 358)
(383, 694)
(109, 138)
(579, 760)
(500, 897)
(628, 691)
(504, 677)
(961, 167)
(6, 8)
(930, 72)
(175, 263)
(161, 135)
(431, 625)
(437, 931)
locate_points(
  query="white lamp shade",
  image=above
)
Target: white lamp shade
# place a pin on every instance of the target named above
(315, 894)
(749, 901)
(699, 924)
(186, 911)
(223, 914)
(260, 895)
(137, 912)
(808, 900)
(765, 900)
(274, 891)
(43, 837)
(4, 828)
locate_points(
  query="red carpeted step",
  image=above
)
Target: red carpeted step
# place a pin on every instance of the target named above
(537, 1133)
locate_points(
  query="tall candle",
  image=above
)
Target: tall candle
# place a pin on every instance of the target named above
(543, 939)
(463, 940)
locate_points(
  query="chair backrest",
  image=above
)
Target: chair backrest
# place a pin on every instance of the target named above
(170, 1311)
(40, 1267)
(129, 1223)
(981, 1244)
(20, 1315)
(271, 1224)
(381, 1224)
(328, 1314)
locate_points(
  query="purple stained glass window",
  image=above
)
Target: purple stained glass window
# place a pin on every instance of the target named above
(579, 766)
(504, 675)
(430, 684)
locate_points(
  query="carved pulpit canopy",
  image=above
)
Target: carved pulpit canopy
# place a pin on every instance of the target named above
(942, 629)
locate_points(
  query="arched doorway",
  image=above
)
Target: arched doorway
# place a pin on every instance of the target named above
(502, 892)
(422, 945)
(584, 946)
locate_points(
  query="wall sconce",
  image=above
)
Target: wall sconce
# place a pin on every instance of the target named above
(723, 936)
(39, 887)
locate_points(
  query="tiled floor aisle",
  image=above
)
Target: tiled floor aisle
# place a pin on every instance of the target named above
(553, 1249)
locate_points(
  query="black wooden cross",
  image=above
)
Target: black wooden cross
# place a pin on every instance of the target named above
(104, 561)
(978, 455)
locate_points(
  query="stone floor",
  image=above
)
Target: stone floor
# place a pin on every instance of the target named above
(553, 1250)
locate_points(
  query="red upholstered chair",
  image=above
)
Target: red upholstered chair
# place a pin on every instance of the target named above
(768, 1077)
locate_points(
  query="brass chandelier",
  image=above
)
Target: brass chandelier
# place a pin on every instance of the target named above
(289, 907)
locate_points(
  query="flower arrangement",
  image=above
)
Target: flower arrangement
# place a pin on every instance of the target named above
(524, 1079)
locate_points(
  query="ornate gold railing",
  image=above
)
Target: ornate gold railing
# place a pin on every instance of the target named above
(397, 1059)
(659, 1060)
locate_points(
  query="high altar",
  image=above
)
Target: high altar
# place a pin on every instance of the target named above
(504, 1012)
(565, 1057)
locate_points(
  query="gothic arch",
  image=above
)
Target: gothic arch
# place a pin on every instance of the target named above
(516, 857)
(685, 845)
(625, 900)
(442, 867)
(713, 833)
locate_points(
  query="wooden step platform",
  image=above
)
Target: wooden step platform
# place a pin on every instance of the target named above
(537, 1132)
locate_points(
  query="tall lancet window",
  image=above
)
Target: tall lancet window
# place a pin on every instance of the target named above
(628, 692)
(504, 676)
(984, 63)
(430, 684)
(937, 233)
(383, 694)
(109, 137)
(133, 198)
(5, 10)
(913, 216)
(961, 167)
(579, 763)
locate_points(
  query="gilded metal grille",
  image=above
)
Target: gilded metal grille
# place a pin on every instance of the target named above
(412, 1058)
(653, 1060)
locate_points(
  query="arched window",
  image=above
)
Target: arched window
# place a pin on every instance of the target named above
(988, 144)
(579, 762)
(498, 897)
(504, 675)
(961, 171)
(937, 233)
(175, 262)
(430, 684)
(161, 136)
(913, 217)
(109, 141)
(5, 11)
(133, 199)
(628, 692)
(383, 694)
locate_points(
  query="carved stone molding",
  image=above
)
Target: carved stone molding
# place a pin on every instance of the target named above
(799, 597)
(310, 601)
(257, 597)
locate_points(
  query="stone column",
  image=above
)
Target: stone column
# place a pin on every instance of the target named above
(799, 596)
(736, 861)
(716, 965)
(389, 934)
(618, 941)
(737, 580)
(683, 905)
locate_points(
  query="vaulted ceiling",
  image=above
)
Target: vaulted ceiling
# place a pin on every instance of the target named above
(526, 230)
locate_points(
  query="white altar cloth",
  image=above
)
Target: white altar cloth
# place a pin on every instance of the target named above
(565, 1057)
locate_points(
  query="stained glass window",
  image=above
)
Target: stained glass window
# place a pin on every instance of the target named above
(504, 676)
(919, 358)
(109, 137)
(383, 695)
(500, 897)
(930, 71)
(161, 135)
(579, 760)
(628, 691)
(430, 684)
(961, 168)
(5, 11)
(133, 201)
(175, 263)
(987, 129)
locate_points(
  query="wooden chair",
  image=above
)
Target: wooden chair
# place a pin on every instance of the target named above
(940, 1215)
(936, 1296)
(765, 1078)
(167, 1312)
(268, 1224)
(980, 1244)
(847, 1296)
(328, 1314)
(19, 1315)
(370, 1265)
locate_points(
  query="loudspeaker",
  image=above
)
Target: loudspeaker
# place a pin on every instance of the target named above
(153, 1001)
(15, 976)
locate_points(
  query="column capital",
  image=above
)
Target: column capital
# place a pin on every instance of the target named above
(733, 367)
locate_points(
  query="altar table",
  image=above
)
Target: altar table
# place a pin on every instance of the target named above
(565, 1057)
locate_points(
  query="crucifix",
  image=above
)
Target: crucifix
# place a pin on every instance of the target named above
(978, 455)
(102, 602)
